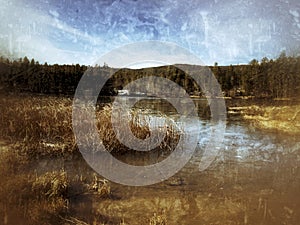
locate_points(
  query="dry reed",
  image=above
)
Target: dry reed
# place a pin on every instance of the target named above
(41, 126)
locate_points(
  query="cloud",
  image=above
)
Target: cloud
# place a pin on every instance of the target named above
(30, 32)
(230, 31)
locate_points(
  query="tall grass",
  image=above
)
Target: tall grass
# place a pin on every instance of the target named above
(284, 119)
(37, 125)
(41, 126)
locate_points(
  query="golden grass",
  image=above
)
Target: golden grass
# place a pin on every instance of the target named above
(139, 126)
(274, 118)
(41, 126)
(37, 125)
(51, 185)
(158, 219)
(102, 187)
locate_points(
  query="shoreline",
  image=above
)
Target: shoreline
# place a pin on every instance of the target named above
(284, 119)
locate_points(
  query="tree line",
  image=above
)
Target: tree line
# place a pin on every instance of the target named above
(279, 78)
(267, 78)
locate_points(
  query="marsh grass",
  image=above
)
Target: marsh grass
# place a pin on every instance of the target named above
(37, 125)
(101, 187)
(42, 126)
(158, 219)
(274, 118)
(141, 128)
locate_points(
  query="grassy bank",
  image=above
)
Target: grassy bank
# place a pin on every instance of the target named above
(284, 119)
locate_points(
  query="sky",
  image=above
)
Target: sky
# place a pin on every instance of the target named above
(81, 31)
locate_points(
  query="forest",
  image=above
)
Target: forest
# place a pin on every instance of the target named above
(267, 78)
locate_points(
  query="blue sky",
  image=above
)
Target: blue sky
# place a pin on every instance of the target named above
(223, 31)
